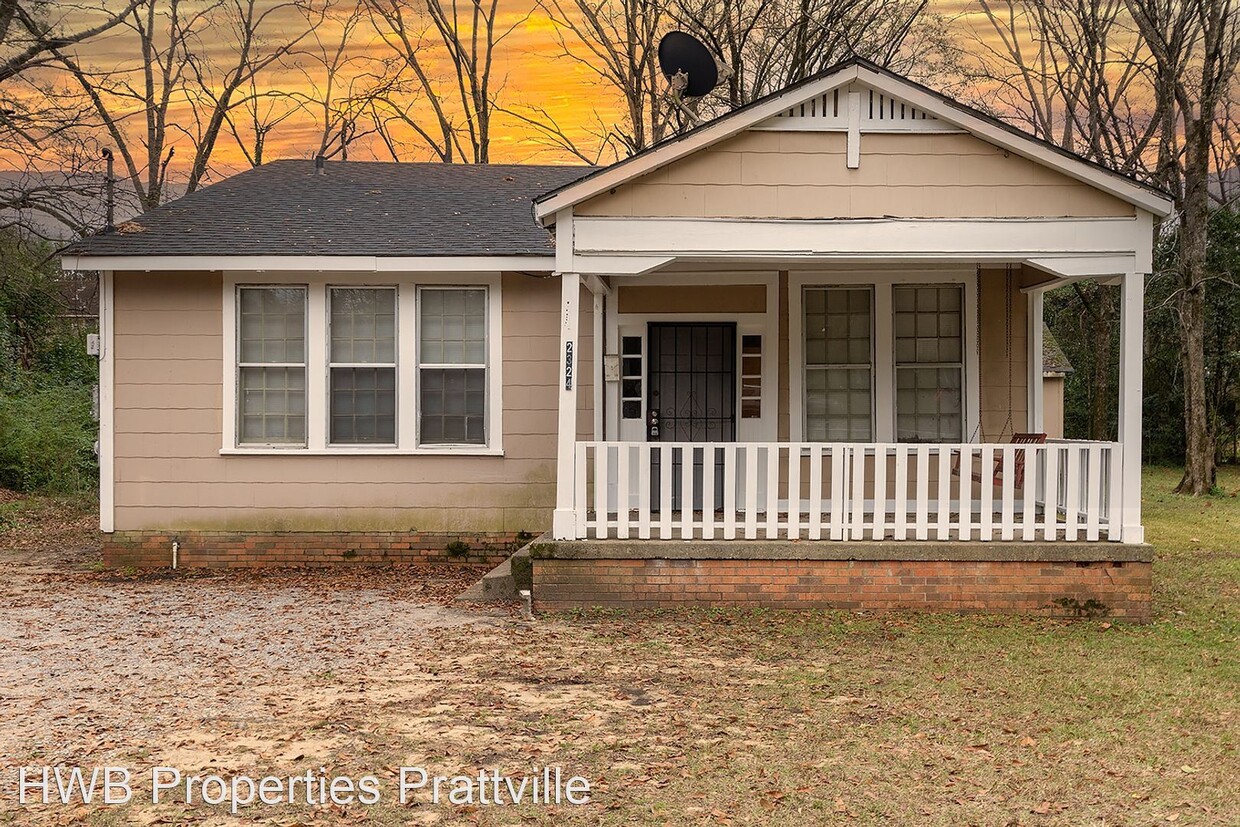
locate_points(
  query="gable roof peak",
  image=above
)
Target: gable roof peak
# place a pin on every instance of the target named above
(934, 104)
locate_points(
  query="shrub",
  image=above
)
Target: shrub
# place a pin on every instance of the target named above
(47, 437)
(457, 548)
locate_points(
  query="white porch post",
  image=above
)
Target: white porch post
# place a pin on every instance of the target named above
(563, 523)
(1037, 406)
(1132, 360)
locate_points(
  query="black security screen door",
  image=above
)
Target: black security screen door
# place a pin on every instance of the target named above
(691, 397)
(692, 383)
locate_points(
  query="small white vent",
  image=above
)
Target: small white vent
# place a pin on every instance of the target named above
(877, 107)
(880, 112)
(826, 107)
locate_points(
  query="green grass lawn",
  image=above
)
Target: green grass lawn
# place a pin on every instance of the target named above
(768, 718)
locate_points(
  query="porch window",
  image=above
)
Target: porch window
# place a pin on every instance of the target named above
(362, 365)
(271, 365)
(929, 363)
(839, 364)
(452, 365)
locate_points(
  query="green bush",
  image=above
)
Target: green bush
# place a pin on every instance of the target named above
(47, 436)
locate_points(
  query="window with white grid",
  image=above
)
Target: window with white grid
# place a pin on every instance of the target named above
(362, 365)
(929, 362)
(839, 364)
(452, 365)
(271, 365)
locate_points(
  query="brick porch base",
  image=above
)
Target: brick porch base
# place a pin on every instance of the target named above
(1000, 578)
(217, 549)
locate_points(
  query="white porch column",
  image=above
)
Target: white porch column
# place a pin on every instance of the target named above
(1132, 361)
(1037, 407)
(563, 522)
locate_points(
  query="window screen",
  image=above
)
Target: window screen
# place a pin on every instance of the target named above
(362, 365)
(839, 364)
(271, 365)
(929, 362)
(452, 365)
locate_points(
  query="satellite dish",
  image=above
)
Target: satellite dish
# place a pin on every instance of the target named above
(681, 53)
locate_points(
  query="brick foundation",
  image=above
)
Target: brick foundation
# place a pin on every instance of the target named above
(1114, 589)
(213, 549)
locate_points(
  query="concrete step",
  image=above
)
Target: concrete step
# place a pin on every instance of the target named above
(500, 584)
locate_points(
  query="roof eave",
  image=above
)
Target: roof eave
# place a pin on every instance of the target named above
(524, 262)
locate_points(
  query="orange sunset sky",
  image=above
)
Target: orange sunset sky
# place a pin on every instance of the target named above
(531, 70)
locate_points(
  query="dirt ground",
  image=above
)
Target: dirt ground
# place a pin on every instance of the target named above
(712, 718)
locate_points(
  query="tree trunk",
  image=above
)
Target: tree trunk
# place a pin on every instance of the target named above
(1198, 439)
(1101, 402)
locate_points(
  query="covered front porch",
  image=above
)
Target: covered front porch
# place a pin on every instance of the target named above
(893, 400)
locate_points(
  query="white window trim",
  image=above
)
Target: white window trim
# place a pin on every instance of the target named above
(418, 367)
(872, 365)
(962, 365)
(233, 413)
(316, 363)
(882, 281)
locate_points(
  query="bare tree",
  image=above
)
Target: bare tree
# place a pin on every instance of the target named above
(616, 40)
(766, 45)
(761, 46)
(1195, 47)
(49, 181)
(463, 36)
(178, 92)
(29, 35)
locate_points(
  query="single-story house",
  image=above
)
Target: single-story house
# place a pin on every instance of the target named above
(791, 357)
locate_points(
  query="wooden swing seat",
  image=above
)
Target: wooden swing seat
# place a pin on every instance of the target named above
(1018, 464)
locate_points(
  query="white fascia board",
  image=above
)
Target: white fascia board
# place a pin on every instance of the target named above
(622, 265)
(1026, 147)
(359, 264)
(893, 238)
(725, 127)
(1082, 267)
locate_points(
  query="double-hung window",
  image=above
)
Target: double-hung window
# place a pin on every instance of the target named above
(839, 364)
(362, 365)
(884, 361)
(929, 362)
(452, 365)
(271, 366)
(352, 368)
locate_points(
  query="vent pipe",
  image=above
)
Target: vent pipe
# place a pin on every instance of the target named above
(320, 165)
(109, 194)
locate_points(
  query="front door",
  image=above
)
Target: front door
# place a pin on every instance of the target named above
(691, 396)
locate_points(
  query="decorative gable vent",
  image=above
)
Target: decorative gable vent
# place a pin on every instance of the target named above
(879, 112)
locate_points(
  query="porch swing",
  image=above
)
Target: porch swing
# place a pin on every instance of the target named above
(1017, 438)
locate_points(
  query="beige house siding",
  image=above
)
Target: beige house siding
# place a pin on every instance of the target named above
(1003, 367)
(691, 298)
(1052, 405)
(168, 424)
(760, 174)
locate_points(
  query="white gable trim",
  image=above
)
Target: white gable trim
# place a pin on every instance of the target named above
(769, 108)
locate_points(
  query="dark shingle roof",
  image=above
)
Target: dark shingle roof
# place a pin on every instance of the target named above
(355, 208)
(1054, 360)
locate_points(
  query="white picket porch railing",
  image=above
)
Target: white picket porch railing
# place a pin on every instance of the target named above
(1061, 490)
